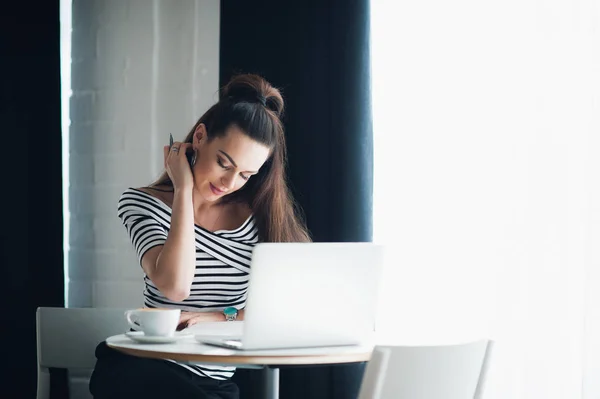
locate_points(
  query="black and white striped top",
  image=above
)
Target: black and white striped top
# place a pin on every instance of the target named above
(222, 262)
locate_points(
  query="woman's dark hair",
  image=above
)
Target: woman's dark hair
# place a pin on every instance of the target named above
(255, 107)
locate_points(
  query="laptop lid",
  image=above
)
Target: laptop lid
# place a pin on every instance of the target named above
(312, 294)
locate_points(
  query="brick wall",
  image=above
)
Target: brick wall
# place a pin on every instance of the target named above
(140, 70)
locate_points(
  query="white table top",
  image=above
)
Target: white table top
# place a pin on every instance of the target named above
(192, 351)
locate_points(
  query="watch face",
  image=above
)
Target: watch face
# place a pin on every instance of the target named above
(230, 311)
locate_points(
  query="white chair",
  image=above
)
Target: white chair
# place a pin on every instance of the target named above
(67, 338)
(427, 372)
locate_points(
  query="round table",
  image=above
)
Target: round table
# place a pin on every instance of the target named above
(191, 350)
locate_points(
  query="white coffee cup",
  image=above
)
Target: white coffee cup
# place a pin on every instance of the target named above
(154, 322)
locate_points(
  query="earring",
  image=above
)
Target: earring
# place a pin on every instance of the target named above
(194, 158)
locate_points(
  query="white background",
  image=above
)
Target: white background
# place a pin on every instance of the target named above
(487, 184)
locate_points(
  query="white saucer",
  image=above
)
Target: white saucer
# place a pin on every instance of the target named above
(139, 336)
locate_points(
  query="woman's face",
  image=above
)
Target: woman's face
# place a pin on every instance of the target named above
(225, 164)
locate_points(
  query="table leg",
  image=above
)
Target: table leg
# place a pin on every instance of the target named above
(272, 382)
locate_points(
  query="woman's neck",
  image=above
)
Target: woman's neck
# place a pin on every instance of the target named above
(201, 205)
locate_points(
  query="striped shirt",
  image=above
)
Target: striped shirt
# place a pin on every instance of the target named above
(222, 262)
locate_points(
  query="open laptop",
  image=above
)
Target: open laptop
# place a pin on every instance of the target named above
(309, 295)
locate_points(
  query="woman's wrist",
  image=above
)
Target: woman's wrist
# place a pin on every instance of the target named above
(212, 316)
(185, 191)
(183, 205)
(219, 316)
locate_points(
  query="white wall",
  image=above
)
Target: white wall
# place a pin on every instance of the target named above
(487, 183)
(140, 70)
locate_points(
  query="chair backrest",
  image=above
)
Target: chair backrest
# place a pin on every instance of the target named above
(427, 372)
(67, 337)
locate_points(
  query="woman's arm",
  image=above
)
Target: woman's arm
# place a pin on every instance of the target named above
(171, 266)
(188, 319)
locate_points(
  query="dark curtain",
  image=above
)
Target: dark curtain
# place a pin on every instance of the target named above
(317, 52)
(31, 255)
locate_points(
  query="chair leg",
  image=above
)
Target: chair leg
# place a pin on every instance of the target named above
(43, 384)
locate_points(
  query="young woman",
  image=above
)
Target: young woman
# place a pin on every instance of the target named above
(223, 190)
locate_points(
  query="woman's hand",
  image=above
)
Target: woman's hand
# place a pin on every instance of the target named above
(188, 319)
(177, 166)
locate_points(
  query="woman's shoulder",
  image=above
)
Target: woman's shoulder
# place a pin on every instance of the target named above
(133, 197)
(161, 193)
(136, 203)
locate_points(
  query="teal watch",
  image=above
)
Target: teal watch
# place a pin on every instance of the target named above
(230, 313)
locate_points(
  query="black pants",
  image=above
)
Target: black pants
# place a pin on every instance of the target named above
(118, 375)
